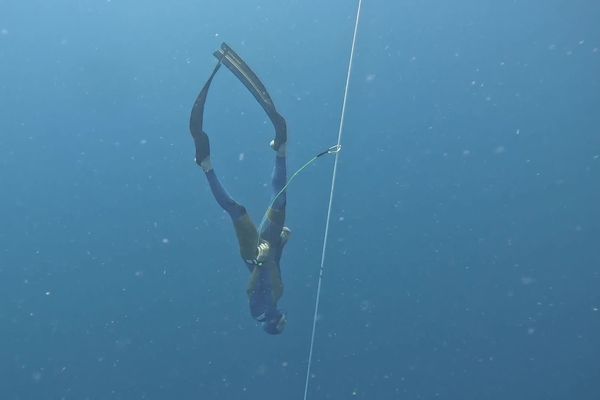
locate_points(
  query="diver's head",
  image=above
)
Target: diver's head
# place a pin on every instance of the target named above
(276, 325)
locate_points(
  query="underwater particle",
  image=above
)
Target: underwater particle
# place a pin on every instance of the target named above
(143, 141)
(518, 132)
(370, 77)
(36, 376)
(4, 31)
(261, 370)
(241, 157)
(165, 240)
(466, 152)
(123, 342)
(354, 392)
(530, 331)
(595, 309)
(48, 293)
(284, 364)
(527, 280)
(581, 42)
(365, 306)
(499, 150)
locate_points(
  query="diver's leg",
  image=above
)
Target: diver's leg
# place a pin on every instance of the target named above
(279, 178)
(244, 227)
(276, 214)
(233, 208)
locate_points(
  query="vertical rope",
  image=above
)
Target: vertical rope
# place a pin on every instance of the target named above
(333, 178)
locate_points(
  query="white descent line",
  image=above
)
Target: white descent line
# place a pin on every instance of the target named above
(335, 165)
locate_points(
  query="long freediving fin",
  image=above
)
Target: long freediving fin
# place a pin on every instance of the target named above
(197, 114)
(244, 73)
(227, 56)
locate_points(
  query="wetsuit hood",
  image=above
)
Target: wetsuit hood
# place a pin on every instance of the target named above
(276, 324)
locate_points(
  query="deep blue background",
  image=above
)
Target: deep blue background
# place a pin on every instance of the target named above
(464, 257)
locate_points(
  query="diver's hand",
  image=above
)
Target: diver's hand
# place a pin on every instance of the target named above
(262, 252)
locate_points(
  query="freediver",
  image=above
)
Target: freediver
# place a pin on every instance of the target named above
(260, 251)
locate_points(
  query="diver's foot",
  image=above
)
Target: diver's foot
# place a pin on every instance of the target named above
(285, 235)
(281, 149)
(280, 128)
(281, 137)
(202, 150)
(206, 164)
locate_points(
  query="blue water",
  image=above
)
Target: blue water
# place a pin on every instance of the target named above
(463, 258)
